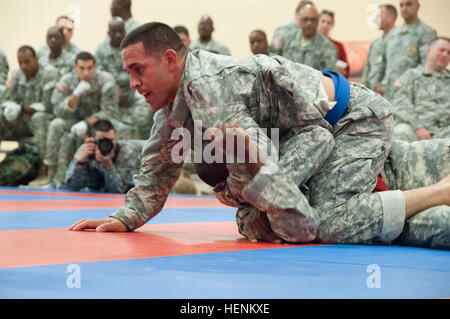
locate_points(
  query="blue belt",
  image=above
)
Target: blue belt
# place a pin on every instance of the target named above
(341, 96)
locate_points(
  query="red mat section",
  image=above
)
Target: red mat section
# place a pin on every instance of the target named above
(59, 246)
(60, 194)
(172, 202)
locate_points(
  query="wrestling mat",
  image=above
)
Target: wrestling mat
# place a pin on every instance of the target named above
(192, 249)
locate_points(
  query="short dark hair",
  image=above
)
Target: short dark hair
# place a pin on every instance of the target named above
(260, 32)
(303, 4)
(391, 10)
(102, 126)
(181, 29)
(157, 37)
(441, 38)
(328, 13)
(84, 56)
(25, 48)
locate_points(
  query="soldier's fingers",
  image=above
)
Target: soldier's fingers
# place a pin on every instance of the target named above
(112, 226)
(88, 224)
(76, 224)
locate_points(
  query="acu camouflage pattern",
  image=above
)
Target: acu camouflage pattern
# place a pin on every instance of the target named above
(100, 101)
(279, 33)
(373, 74)
(406, 48)
(136, 116)
(322, 189)
(20, 166)
(37, 90)
(64, 63)
(319, 52)
(211, 46)
(423, 100)
(117, 179)
(415, 165)
(4, 69)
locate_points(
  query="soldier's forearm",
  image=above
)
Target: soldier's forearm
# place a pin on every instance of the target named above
(419, 199)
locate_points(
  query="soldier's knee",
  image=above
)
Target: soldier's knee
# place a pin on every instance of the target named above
(57, 125)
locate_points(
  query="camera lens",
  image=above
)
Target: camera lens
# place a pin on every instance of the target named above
(105, 145)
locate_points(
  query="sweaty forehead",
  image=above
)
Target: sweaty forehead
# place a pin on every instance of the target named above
(133, 54)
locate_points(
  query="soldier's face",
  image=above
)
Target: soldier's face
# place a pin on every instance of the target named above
(205, 28)
(409, 8)
(153, 77)
(439, 55)
(28, 63)
(67, 27)
(85, 70)
(309, 19)
(55, 40)
(258, 43)
(325, 24)
(116, 32)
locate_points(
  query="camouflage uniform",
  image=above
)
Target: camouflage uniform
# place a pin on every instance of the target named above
(25, 93)
(406, 47)
(71, 48)
(211, 46)
(4, 69)
(372, 73)
(279, 33)
(131, 24)
(64, 63)
(101, 101)
(117, 179)
(319, 52)
(136, 117)
(423, 100)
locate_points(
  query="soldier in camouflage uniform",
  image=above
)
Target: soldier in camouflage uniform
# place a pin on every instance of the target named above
(320, 186)
(61, 59)
(205, 41)
(4, 69)
(87, 95)
(112, 172)
(287, 27)
(136, 116)
(122, 8)
(66, 24)
(387, 14)
(422, 97)
(406, 47)
(306, 45)
(31, 88)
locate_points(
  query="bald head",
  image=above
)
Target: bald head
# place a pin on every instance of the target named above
(116, 31)
(55, 39)
(409, 10)
(308, 20)
(205, 28)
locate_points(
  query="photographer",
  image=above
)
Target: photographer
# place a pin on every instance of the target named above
(102, 163)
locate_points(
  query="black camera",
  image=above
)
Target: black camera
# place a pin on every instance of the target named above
(105, 145)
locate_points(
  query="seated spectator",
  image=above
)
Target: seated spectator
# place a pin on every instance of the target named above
(102, 163)
(183, 33)
(61, 59)
(284, 28)
(66, 24)
(122, 8)
(326, 23)
(306, 45)
(422, 97)
(27, 110)
(81, 98)
(4, 69)
(135, 115)
(258, 42)
(205, 41)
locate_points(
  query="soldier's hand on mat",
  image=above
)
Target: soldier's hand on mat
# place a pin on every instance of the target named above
(254, 225)
(109, 224)
(422, 134)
